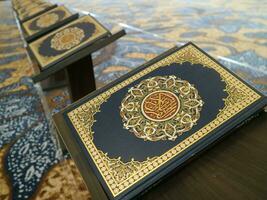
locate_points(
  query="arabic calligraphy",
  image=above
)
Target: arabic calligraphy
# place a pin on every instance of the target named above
(160, 105)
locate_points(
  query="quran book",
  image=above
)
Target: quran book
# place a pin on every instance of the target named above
(32, 10)
(67, 40)
(46, 20)
(25, 10)
(136, 130)
(23, 5)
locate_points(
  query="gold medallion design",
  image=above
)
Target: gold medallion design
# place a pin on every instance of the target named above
(161, 108)
(67, 38)
(47, 20)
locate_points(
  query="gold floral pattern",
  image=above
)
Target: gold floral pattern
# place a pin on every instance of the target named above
(67, 38)
(47, 20)
(161, 108)
(121, 171)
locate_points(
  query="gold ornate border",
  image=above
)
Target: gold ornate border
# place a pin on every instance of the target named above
(27, 24)
(45, 60)
(239, 97)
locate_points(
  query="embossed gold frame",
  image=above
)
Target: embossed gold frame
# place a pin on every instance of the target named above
(26, 25)
(240, 96)
(44, 61)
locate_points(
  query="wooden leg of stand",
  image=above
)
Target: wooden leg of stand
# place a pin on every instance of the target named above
(81, 79)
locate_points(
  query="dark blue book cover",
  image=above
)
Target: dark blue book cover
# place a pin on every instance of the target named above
(67, 40)
(46, 20)
(139, 128)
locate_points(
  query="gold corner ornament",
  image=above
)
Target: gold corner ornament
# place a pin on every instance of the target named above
(161, 108)
(47, 20)
(67, 38)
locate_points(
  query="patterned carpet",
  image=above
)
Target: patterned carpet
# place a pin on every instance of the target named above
(32, 165)
(234, 33)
